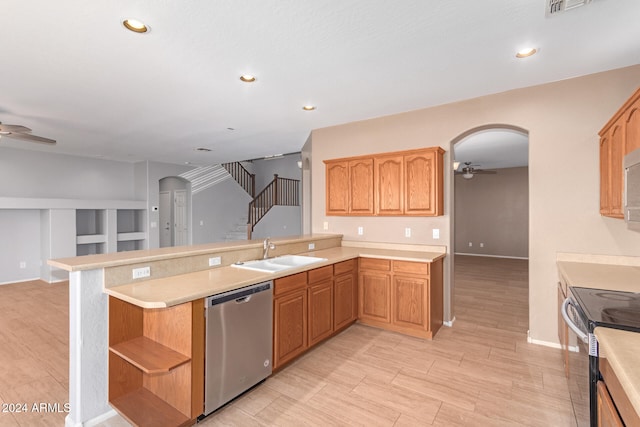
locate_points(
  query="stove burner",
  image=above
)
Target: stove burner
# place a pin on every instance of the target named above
(623, 315)
(617, 296)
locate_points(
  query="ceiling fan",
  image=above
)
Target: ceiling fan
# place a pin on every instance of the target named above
(22, 132)
(468, 171)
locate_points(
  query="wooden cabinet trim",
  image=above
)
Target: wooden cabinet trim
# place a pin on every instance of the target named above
(375, 264)
(411, 267)
(319, 274)
(622, 402)
(290, 283)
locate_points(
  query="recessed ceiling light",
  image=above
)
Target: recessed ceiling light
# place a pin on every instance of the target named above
(309, 107)
(526, 52)
(248, 78)
(135, 25)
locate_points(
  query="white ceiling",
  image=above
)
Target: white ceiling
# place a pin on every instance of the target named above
(71, 72)
(493, 149)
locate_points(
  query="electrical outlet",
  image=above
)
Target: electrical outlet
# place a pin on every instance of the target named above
(482, 245)
(470, 244)
(360, 231)
(436, 233)
(214, 261)
(407, 232)
(23, 264)
(312, 246)
(139, 273)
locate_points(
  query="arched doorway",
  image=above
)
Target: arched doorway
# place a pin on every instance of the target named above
(174, 211)
(489, 203)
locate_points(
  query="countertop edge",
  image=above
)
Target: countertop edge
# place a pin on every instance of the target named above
(124, 292)
(614, 354)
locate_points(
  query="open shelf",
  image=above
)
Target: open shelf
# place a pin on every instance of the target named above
(143, 408)
(90, 238)
(136, 235)
(149, 356)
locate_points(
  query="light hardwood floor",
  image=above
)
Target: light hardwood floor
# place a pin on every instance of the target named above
(480, 372)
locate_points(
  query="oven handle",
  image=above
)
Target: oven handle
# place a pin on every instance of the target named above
(575, 328)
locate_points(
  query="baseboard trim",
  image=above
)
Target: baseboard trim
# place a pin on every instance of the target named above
(491, 256)
(549, 343)
(68, 422)
(449, 323)
(20, 281)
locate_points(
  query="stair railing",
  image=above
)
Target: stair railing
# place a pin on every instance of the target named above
(280, 191)
(242, 176)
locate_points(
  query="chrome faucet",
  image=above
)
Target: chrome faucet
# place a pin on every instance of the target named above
(266, 246)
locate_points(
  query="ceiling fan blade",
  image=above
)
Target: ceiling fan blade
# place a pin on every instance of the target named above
(31, 138)
(485, 172)
(13, 128)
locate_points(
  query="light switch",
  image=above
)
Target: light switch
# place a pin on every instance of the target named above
(407, 232)
(325, 226)
(153, 224)
(360, 231)
(436, 233)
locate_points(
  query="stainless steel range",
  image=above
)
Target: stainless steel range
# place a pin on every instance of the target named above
(583, 311)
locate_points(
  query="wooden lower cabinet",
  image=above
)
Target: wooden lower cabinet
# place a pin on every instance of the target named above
(310, 307)
(289, 324)
(401, 296)
(156, 363)
(320, 311)
(563, 330)
(607, 413)
(345, 291)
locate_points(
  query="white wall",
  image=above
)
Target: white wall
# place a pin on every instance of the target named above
(219, 209)
(493, 211)
(20, 231)
(37, 174)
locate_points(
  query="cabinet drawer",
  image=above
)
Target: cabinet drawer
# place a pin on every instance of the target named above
(344, 267)
(421, 268)
(290, 283)
(375, 264)
(319, 274)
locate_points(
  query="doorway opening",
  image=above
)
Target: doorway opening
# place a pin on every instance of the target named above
(490, 230)
(174, 211)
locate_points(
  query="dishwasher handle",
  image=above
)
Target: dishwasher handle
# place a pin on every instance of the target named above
(243, 300)
(570, 323)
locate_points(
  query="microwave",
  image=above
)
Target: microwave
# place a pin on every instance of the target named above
(632, 189)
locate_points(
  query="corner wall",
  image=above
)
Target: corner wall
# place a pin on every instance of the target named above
(563, 120)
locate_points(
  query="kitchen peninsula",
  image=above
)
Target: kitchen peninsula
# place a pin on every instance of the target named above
(405, 294)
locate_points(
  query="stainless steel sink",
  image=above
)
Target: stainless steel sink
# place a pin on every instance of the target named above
(280, 263)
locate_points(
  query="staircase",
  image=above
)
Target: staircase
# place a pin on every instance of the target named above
(280, 191)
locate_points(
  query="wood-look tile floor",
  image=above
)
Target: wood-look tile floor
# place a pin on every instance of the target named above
(480, 372)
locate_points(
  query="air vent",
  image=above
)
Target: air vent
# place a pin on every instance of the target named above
(555, 7)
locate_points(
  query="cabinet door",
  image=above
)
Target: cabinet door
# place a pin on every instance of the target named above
(337, 197)
(616, 159)
(375, 297)
(320, 311)
(423, 193)
(409, 302)
(289, 326)
(361, 187)
(344, 307)
(632, 127)
(389, 185)
(605, 205)
(607, 413)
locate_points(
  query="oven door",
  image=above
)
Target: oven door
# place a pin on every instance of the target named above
(579, 380)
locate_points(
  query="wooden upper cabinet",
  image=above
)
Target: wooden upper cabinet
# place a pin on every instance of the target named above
(337, 188)
(361, 187)
(632, 127)
(389, 185)
(423, 179)
(620, 136)
(398, 183)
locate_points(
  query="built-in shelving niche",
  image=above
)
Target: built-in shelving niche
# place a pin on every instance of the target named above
(91, 231)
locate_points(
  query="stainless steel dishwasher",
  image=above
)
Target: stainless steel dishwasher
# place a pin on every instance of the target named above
(238, 342)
